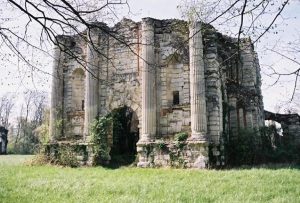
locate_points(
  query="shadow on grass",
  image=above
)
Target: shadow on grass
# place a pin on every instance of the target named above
(118, 161)
(271, 166)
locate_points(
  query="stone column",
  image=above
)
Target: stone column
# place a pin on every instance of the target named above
(56, 103)
(249, 118)
(233, 121)
(148, 82)
(213, 88)
(241, 118)
(91, 82)
(197, 84)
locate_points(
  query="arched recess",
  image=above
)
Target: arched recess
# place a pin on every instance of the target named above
(124, 136)
(78, 89)
(134, 105)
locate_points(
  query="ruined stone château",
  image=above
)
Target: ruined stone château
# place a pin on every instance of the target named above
(172, 77)
(3, 140)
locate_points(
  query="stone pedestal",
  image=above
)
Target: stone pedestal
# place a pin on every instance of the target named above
(197, 84)
(56, 103)
(145, 152)
(92, 82)
(199, 154)
(190, 154)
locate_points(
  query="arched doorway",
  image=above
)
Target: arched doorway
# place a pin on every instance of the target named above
(125, 135)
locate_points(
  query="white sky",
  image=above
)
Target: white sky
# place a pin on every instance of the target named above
(13, 80)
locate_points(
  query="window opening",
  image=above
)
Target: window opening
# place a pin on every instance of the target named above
(175, 97)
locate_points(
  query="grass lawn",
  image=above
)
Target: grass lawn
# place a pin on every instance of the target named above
(20, 183)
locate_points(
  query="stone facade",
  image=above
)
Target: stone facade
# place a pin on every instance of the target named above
(176, 77)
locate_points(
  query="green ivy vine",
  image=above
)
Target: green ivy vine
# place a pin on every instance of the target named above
(110, 124)
(100, 130)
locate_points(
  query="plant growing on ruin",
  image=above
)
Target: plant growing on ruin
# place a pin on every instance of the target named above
(161, 145)
(180, 139)
(177, 161)
(182, 136)
(243, 150)
(107, 134)
(67, 157)
(99, 132)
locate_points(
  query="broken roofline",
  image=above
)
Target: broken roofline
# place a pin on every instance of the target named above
(113, 29)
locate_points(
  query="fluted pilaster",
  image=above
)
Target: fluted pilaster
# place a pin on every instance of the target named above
(91, 84)
(233, 119)
(148, 82)
(56, 103)
(197, 84)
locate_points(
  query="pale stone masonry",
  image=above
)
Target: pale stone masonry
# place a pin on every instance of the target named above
(174, 76)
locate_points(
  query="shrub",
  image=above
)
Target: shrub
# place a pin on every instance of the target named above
(259, 147)
(161, 145)
(182, 136)
(99, 131)
(67, 157)
(244, 149)
(39, 160)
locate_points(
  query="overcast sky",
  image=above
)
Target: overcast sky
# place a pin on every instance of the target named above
(16, 81)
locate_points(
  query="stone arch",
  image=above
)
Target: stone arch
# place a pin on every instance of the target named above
(78, 89)
(124, 135)
(133, 105)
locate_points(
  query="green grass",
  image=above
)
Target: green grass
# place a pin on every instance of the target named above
(20, 183)
(14, 160)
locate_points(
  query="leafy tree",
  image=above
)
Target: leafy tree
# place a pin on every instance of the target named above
(28, 132)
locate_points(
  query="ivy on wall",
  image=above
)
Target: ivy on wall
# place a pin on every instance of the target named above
(115, 124)
(99, 131)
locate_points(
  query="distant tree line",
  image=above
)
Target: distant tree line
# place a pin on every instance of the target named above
(26, 122)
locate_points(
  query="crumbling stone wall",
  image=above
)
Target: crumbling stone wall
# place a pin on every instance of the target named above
(120, 70)
(117, 77)
(172, 77)
(290, 124)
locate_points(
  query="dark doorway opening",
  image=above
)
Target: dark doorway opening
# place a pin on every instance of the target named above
(125, 135)
(175, 97)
